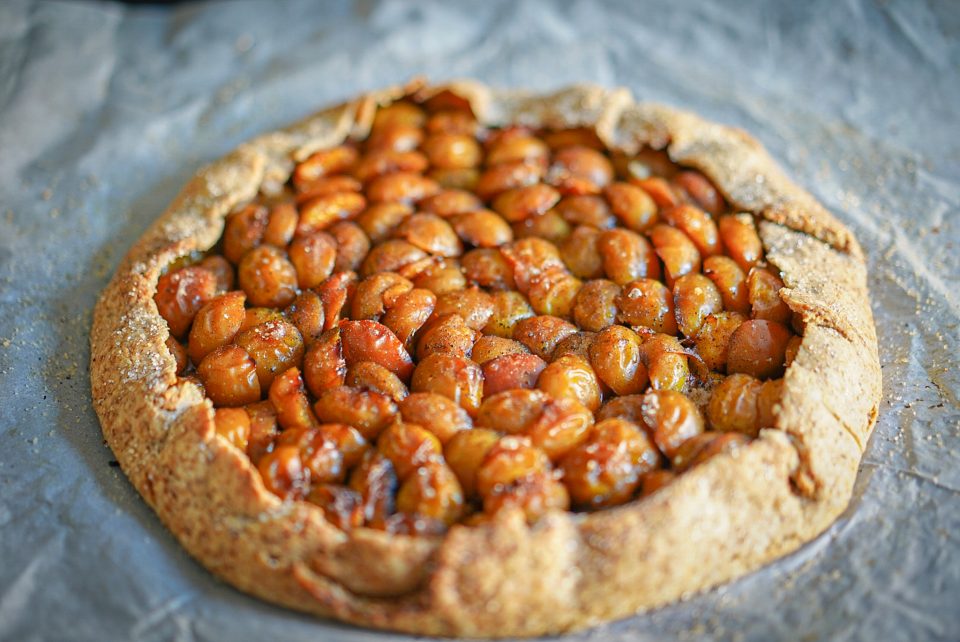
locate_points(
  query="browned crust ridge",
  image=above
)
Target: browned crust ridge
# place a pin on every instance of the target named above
(716, 522)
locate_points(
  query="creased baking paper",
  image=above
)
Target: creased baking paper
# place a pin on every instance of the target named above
(106, 111)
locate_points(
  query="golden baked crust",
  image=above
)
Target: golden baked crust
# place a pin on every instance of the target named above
(718, 521)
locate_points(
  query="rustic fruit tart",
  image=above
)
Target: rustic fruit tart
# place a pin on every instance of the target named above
(457, 361)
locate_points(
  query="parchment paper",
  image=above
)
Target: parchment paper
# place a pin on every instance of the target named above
(106, 111)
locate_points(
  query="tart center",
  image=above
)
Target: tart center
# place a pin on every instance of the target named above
(445, 320)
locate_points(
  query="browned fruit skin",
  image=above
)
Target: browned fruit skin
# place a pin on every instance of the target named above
(367, 375)
(473, 305)
(541, 334)
(268, 277)
(376, 293)
(243, 231)
(759, 348)
(508, 461)
(289, 399)
(554, 292)
(730, 280)
(701, 190)
(432, 491)
(465, 453)
(449, 334)
(229, 376)
(274, 346)
(580, 252)
(605, 470)
(284, 473)
(221, 269)
(506, 176)
(549, 226)
(561, 426)
(457, 378)
(405, 187)
(740, 238)
(342, 506)
(633, 206)
(408, 446)
(233, 424)
(449, 202)
(431, 234)
(706, 446)
(733, 405)
(713, 339)
(578, 169)
(324, 461)
(313, 256)
(376, 481)
(324, 163)
(595, 307)
(482, 228)
(380, 219)
(521, 203)
(571, 377)
(627, 256)
(352, 245)
(655, 480)
(528, 258)
(367, 411)
(517, 148)
(660, 190)
(408, 314)
(371, 341)
(667, 362)
(679, 254)
(509, 308)
(768, 403)
(320, 212)
(672, 419)
(535, 495)
(490, 346)
(279, 227)
(446, 321)
(347, 439)
(647, 303)
(452, 151)
(181, 294)
(263, 429)
(438, 414)
(510, 372)
(335, 296)
(511, 411)
(179, 354)
(615, 356)
(694, 298)
(698, 226)
(258, 316)
(216, 324)
(764, 295)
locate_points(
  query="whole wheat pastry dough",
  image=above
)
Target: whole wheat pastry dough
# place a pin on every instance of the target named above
(714, 523)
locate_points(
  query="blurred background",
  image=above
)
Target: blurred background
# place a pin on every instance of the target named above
(107, 109)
